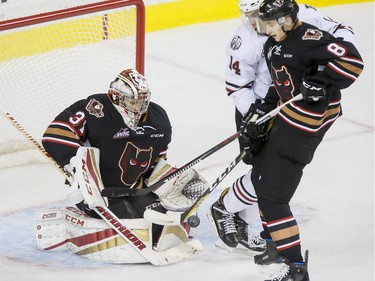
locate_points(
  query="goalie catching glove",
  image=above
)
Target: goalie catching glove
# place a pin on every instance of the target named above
(178, 194)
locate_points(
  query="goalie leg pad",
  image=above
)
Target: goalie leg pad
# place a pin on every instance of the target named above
(50, 230)
(91, 238)
(71, 229)
(86, 163)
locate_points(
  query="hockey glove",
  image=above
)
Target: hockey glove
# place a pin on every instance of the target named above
(312, 89)
(254, 136)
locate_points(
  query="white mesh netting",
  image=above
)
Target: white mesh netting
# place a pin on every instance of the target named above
(45, 67)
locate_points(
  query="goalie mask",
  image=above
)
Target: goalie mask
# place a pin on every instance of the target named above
(130, 95)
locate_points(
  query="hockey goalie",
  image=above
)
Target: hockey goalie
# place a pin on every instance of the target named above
(118, 139)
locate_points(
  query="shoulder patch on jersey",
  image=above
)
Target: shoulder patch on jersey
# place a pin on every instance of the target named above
(236, 43)
(312, 34)
(95, 108)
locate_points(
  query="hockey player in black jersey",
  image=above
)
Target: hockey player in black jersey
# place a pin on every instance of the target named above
(131, 133)
(119, 139)
(301, 59)
(234, 215)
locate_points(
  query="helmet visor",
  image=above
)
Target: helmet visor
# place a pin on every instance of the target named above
(256, 23)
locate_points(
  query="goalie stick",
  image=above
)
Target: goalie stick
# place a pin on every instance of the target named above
(155, 258)
(119, 191)
(174, 217)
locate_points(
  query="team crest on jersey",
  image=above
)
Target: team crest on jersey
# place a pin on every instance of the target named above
(312, 34)
(123, 133)
(95, 108)
(236, 43)
(134, 162)
(283, 81)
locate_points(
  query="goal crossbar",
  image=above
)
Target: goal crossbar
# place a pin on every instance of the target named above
(50, 60)
(89, 9)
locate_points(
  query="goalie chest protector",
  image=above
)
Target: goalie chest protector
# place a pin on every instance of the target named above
(125, 155)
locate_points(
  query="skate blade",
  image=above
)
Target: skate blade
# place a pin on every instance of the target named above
(270, 269)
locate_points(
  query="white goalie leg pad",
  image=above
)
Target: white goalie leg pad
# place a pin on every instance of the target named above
(175, 244)
(91, 238)
(50, 230)
(180, 193)
(169, 218)
(71, 229)
(183, 251)
(171, 236)
(88, 176)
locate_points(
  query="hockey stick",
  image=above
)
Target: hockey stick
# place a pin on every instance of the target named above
(208, 191)
(155, 258)
(173, 218)
(119, 191)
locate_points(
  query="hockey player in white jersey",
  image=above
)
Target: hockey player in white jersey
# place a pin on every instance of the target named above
(248, 80)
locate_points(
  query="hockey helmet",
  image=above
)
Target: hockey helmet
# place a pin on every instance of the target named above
(278, 10)
(130, 95)
(249, 5)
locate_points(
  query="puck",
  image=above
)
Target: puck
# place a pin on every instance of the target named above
(193, 221)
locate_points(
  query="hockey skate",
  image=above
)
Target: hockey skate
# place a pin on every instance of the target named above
(224, 222)
(249, 239)
(292, 271)
(269, 261)
(269, 256)
(249, 243)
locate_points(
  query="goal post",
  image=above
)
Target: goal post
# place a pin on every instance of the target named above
(50, 60)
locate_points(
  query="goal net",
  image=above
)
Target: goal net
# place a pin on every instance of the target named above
(50, 60)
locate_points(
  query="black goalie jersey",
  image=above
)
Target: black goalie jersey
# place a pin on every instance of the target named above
(336, 63)
(126, 156)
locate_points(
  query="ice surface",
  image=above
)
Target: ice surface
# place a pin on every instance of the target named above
(334, 203)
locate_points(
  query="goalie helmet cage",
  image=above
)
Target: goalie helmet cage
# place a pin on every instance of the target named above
(50, 60)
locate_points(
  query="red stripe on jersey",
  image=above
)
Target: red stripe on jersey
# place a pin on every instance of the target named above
(289, 245)
(60, 141)
(280, 221)
(244, 196)
(341, 72)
